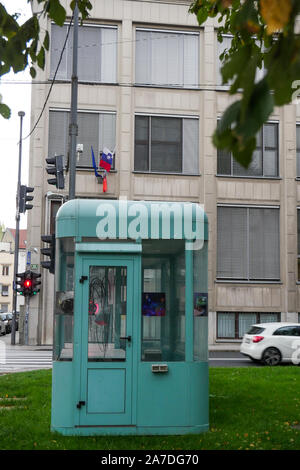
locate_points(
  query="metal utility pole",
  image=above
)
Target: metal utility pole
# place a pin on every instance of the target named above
(21, 114)
(73, 129)
(27, 303)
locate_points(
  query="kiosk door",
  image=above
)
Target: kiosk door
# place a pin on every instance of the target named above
(106, 358)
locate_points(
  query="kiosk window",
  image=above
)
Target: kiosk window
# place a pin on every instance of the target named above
(107, 313)
(163, 300)
(64, 304)
(200, 300)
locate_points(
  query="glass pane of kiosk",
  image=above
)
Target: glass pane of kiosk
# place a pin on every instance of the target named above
(200, 299)
(163, 300)
(107, 313)
(63, 314)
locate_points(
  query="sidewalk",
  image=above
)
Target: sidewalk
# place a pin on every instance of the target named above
(7, 341)
(229, 347)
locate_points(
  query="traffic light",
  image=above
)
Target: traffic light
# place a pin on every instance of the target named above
(23, 206)
(56, 168)
(28, 283)
(50, 251)
(35, 282)
(20, 283)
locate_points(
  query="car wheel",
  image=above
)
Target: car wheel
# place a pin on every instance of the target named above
(271, 357)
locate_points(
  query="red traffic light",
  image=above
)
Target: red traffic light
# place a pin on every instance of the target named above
(27, 283)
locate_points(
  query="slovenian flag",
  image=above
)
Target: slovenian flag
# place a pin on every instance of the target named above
(106, 159)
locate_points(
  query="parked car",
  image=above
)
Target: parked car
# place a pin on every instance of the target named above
(272, 343)
(6, 322)
(2, 327)
(9, 317)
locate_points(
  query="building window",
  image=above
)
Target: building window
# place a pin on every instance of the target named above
(95, 129)
(233, 325)
(97, 53)
(264, 162)
(5, 270)
(166, 145)
(248, 246)
(298, 149)
(222, 47)
(167, 58)
(298, 230)
(222, 50)
(4, 308)
(5, 291)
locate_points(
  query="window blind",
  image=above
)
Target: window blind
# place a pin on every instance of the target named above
(166, 144)
(232, 243)
(298, 149)
(94, 129)
(248, 245)
(264, 159)
(167, 58)
(97, 53)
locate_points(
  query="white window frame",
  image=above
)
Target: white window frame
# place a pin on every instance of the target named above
(180, 116)
(5, 270)
(219, 86)
(231, 175)
(89, 111)
(297, 149)
(165, 85)
(248, 280)
(6, 292)
(85, 25)
(237, 315)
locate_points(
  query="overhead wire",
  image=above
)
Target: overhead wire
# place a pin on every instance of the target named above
(167, 85)
(52, 82)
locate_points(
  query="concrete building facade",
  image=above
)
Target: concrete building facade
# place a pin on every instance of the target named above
(150, 89)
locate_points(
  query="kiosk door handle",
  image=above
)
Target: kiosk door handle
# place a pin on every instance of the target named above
(126, 337)
(80, 404)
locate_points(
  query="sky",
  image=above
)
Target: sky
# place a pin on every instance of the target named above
(17, 96)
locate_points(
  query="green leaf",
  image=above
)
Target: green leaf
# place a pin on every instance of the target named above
(46, 41)
(8, 25)
(202, 15)
(33, 49)
(5, 111)
(260, 106)
(57, 12)
(245, 13)
(229, 117)
(236, 63)
(243, 153)
(83, 7)
(32, 72)
(30, 29)
(41, 58)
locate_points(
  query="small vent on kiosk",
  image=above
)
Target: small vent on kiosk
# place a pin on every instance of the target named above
(159, 368)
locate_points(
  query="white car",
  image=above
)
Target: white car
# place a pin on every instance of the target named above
(272, 343)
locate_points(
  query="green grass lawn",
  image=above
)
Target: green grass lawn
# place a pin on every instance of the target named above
(250, 408)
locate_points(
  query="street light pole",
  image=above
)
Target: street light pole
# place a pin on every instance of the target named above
(21, 114)
(73, 130)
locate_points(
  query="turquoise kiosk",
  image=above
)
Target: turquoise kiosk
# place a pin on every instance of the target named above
(130, 318)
